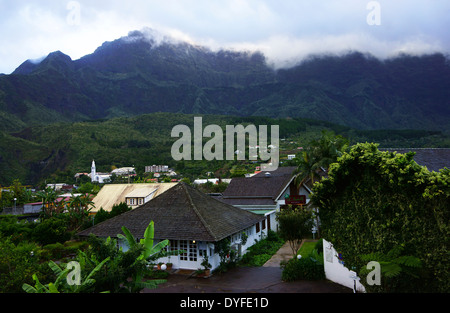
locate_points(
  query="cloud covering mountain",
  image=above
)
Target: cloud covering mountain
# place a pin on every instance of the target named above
(148, 72)
(285, 31)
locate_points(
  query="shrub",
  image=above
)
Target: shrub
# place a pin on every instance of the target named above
(18, 263)
(374, 201)
(306, 268)
(11, 226)
(262, 251)
(50, 231)
(55, 250)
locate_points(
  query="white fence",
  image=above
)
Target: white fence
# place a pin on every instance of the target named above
(335, 269)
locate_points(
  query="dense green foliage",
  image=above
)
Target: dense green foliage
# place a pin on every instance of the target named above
(376, 202)
(18, 262)
(54, 153)
(308, 267)
(262, 251)
(27, 247)
(48, 231)
(117, 209)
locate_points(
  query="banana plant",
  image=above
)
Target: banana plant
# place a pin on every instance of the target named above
(59, 285)
(39, 287)
(146, 242)
(149, 250)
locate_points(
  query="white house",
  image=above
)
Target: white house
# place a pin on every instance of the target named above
(192, 221)
(140, 196)
(264, 193)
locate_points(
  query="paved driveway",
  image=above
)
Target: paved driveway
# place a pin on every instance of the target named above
(265, 279)
(246, 280)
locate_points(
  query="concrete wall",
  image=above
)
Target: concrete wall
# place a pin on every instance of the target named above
(335, 269)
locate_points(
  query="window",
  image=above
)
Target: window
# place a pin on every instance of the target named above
(173, 246)
(192, 251)
(263, 223)
(202, 253)
(140, 201)
(131, 201)
(257, 227)
(184, 246)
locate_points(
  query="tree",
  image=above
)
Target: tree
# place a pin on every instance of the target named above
(307, 169)
(328, 148)
(149, 252)
(374, 201)
(294, 224)
(320, 154)
(48, 197)
(78, 208)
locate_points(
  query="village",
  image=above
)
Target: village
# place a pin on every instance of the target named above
(196, 233)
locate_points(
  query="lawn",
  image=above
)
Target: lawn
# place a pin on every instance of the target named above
(306, 248)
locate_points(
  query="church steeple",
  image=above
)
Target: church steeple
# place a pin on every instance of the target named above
(93, 171)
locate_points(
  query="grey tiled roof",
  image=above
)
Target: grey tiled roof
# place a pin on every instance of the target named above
(434, 159)
(180, 213)
(260, 185)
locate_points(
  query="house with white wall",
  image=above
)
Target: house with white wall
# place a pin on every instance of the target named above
(133, 195)
(264, 193)
(192, 221)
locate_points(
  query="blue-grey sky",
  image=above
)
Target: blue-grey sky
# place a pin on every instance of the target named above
(284, 30)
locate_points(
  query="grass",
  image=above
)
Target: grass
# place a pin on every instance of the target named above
(306, 248)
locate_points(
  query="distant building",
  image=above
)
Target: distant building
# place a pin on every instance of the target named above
(124, 171)
(60, 187)
(157, 169)
(100, 178)
(133, 195)
(215, 181)
(30, 208)
(140, 196)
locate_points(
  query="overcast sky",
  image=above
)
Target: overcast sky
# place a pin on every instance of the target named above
(284, 30)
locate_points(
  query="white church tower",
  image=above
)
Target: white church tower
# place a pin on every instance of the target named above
(93, 172)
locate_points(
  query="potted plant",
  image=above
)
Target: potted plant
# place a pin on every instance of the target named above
(206, 272)
(169, 266)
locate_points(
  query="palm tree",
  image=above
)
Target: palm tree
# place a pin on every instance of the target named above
(328, 148)
(307, 168)
(78, 208)
(48, 197)
(318, 156)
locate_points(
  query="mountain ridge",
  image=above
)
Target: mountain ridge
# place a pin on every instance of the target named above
(142, 73)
